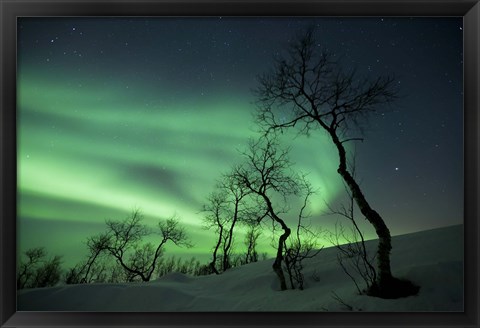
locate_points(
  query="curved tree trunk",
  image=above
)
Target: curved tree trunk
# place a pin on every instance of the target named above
(228, 245)
(277, 265)
(384, 243)
(384, 238)
(212, 264)
(89, 265)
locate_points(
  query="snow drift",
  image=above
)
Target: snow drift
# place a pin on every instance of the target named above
(431, 259)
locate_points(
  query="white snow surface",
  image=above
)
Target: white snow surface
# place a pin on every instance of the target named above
(431, 259)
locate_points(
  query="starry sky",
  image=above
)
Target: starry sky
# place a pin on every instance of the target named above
(123, 113)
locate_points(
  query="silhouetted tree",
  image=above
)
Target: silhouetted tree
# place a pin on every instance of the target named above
(303, 244)
(186, 266)
(49, 273)
(309, 89)
(26, 269)
(123, 242)
(96, 245)
(267, 174)
(91, 269)
(38, 270)
(96, 269)
(226, 209)
(215, 219)
(353, 256)
(251, 239)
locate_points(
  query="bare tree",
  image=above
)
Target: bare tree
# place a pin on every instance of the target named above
(26, 270)
(49, 273)
(38, 270)
(353, 254)
(303, 245)
(215, 219)
(267, 175)
(226, 209)
(91, 270)
(98, 265)
(123, 242)
(350, 242)
(251, 239)
(308, 89)
(96, 245)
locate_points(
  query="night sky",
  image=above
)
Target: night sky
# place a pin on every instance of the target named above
(118, 113)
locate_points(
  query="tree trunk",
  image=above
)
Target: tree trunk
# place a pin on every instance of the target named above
(384, 238)
(89, 267)
(277, 265)
(228, 245)
(215, 250)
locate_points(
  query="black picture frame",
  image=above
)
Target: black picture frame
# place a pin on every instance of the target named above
(10, 10)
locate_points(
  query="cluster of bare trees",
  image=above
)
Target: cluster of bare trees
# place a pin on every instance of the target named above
(307, 89)
(226, 209)
(122, 251)
(119, 254)
(47, 272)
(38, 270)
(253, 193)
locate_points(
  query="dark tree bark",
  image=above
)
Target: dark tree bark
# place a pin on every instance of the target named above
(225, 209)
(251, 242)
(266, 173)
(381, 229)
(124, 244)
(212, 264)
(321, 95)
(214, 219)
(304, 244)
(96, 245)
(228, 242)
(277, 264)
(355, 250)
(27, 270)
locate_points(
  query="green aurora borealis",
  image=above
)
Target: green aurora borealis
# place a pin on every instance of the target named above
(117, 114)
(91, 154)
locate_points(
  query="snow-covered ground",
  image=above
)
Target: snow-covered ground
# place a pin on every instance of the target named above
(432, 259)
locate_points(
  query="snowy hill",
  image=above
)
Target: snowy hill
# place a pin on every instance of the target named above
(431, 259)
